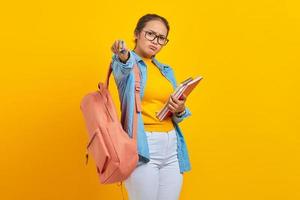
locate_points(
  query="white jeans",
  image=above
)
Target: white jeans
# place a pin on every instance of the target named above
(160, 178)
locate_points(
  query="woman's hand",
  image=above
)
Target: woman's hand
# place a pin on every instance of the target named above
(119, 48)
(176, 105)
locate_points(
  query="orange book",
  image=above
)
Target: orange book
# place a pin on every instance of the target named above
(186, 87)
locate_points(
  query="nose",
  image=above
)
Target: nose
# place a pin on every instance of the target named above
(155, 41)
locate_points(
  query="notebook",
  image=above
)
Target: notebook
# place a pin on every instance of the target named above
(185, 87)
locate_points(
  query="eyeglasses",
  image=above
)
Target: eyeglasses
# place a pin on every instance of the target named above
(151, 36)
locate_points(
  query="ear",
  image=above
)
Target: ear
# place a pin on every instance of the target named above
(136, 35)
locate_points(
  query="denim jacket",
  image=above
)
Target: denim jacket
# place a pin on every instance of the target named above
(125, 81)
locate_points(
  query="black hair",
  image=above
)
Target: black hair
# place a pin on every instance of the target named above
(149, 17)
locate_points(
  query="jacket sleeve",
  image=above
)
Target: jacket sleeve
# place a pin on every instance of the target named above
(121, 70)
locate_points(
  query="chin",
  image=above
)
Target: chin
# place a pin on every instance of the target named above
(148, 53)
(151, 53)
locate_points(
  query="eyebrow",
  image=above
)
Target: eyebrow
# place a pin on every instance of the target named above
(156, 33)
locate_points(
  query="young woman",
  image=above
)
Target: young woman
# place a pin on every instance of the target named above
(163, 155)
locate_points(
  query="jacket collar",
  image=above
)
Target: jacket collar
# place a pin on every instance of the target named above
(161, 66)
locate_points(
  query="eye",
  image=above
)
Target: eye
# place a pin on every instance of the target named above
(151, 33)
(162, 38)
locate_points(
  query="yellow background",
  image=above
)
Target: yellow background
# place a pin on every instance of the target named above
(243, 136)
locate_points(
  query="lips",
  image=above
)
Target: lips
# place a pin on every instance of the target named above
(153, 48)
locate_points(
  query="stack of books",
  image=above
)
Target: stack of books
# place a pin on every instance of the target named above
(185, 88)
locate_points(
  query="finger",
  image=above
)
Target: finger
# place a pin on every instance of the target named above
(171, 108)
(175, 99)
(113, 49)
(115, 46)
(180, 109)
(171, 99)
(123, 48)
(124, 45)
(178, 104)
(173, 104)
(181, 102)
(115, 43)
(119, 45)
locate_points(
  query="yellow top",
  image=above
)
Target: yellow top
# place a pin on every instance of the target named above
(157, 92)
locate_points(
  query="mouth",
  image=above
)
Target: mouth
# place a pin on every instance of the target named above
(152, 48)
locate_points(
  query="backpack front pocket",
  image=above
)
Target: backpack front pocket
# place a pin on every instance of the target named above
(99, 151)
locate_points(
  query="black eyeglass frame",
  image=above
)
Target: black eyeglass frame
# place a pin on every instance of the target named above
(156, 36)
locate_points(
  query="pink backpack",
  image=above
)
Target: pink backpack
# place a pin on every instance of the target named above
(114, 152)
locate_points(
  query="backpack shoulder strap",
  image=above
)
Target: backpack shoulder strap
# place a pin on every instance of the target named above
(137, 107)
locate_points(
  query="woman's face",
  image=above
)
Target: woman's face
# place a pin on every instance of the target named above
(145, 47)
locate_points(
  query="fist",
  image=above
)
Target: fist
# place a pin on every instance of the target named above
(176, 105)
(119, 48)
